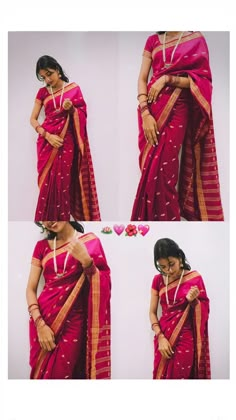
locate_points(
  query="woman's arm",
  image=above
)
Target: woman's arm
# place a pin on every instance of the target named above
(167, 80)
(34, 118)
(177, 81)
(153, 314)
(143, 80)
(163, 344)
(45, 334)
(149, 123)
(53, 139)
(31, 291)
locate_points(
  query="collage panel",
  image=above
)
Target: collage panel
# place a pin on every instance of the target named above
(127, 260)
(91, 154)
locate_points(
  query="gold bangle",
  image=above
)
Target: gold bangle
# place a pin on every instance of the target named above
(142, 94)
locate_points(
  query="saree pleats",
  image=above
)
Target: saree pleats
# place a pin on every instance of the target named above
(77, 309)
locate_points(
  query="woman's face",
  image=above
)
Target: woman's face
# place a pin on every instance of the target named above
(50, 76)
(170, 266)
(55, 226)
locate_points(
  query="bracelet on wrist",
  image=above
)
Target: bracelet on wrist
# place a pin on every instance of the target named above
(91, 269)
(142, 94)
(143, 108)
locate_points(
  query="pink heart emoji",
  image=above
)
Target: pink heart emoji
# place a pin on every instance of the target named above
(119, 229)
(143, 229)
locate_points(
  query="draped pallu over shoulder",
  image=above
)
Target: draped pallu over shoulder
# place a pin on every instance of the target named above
(184, 119)
(185, 325)
(77, 309)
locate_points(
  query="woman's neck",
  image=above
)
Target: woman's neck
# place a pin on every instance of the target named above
(172, 33)
(66, 233)
(59, 85)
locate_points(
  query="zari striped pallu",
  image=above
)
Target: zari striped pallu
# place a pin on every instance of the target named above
(184, 119)
(77, 308)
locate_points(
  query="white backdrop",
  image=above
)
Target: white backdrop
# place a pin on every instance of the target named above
(206, 246)
(106, 66)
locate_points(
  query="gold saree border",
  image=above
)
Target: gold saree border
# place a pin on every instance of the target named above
(161, 120)
(172, 340)
(147, 149)
(200, 194)
(200, 98)
(47, 167)
(184, 39)
(95, 284)
(84, 238)
(186, 278)
(81, 149)
(58, 92)
(198, 331)
(168, 107)
(36, 262)
(53, 155)
(55, 326)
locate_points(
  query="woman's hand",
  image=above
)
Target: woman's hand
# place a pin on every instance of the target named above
(79, 251)
(192, 294)
(67, 104)
(164, 347)
(156, 88)
(46, 337)
(150, 129)
(54, 140)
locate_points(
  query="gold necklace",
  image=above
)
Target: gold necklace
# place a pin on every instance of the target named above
(177, 288)
(55, 259)
(53, 98)
(167, 65)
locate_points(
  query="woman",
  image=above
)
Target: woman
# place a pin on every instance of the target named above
(181, 335)
(70, 320)
(175, 110)
(65, 170)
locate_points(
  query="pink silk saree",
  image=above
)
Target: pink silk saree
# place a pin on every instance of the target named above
(65, 175)
(77, 308)
(184, 118)
(186, 327)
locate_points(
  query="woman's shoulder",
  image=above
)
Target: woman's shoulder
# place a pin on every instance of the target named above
(43, 90)
(197, 35)
(154, 37)
(152, 41)
(72, 85)
(193, 274)
(157, 281)
(41, 249)
(42, 244)
(42, 93)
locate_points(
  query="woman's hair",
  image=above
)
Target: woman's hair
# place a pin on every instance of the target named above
(160, 32)
(47, 62)
(165, 248)
(51, 235)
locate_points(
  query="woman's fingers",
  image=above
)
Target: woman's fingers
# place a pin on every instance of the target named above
(192, 293)
(47, 345)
